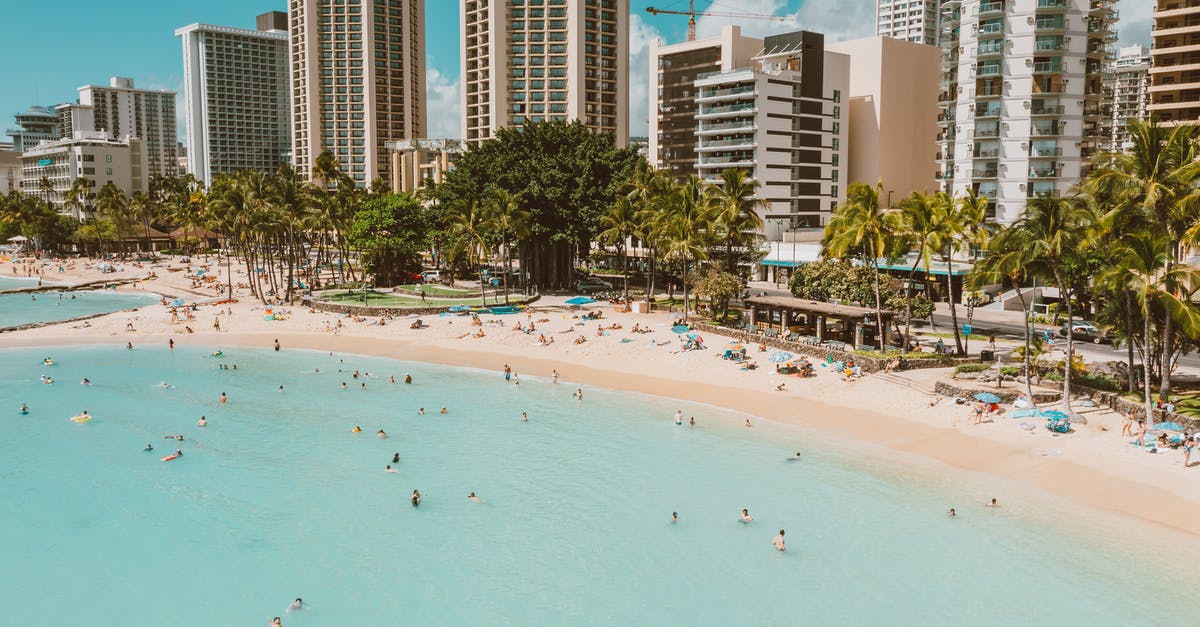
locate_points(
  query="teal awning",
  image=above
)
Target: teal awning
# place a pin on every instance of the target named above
(936, 269)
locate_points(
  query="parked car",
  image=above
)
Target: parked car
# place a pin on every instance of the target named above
(431, 276)
(592, 285)
(1087, 331)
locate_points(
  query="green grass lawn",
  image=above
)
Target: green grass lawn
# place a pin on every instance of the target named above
(436, 290)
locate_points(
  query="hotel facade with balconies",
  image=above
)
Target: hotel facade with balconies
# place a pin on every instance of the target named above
(544, 60)
(1126, 95)
(1175, 62)
(1021, 95)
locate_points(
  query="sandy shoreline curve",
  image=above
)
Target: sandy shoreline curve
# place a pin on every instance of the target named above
(1139, 496)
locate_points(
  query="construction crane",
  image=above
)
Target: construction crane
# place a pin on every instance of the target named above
(692, 13)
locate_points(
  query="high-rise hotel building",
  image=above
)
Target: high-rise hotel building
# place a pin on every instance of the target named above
(358, 81)
(536, 60)
(1126, 95)
(1175, 75)
(122, 110)
(236, 96)
(1021, 95)
(910, 20)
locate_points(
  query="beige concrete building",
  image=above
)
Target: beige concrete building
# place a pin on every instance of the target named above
(893, 114)
(88, 154)
(673, 72)
(537, 60)
(414, 162)
(1175, 59)
(358, 81)
(10, 171)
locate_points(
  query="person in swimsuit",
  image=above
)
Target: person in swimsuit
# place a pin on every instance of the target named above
(390, 469)
(149, 447)
(474, 498)
(407, 378)
(203, 422)
(951, 513)
(224, 399)
(674, 517)
(746, 516)
(778, 542)
(416, 498)
(396, 458)
(524, 417)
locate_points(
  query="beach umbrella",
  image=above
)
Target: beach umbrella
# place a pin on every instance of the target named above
(18, 238)
(987, 397)
(1168, 426)
(1055, 414)
(734, 346)
(458, 308)
(692, 336)
(580, 300)
(679, 328)
(778, 357)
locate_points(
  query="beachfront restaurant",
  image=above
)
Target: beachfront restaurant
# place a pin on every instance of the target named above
(817, 322)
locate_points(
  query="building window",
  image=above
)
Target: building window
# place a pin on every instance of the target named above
(108, 171)
(834, 178)
(833, 191)
(837, 95)
(108, 159)
(837, 113)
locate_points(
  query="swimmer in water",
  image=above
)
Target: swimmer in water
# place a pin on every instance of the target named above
(421, 411)
(679, 417)
(748, 425)
(692, 421)
(356, 430)
(951, 513)
(381, 435)
(224, 399)
(416, 498)
(178, 452)
(443, 409)
(674, 517)
(203, 422)
(24, 408)
(390, 469)
(298, 604)
(778, 542)
(149, 447)
(276, 622)
(391, 379)
(795, 458)
(993, 504)
(579, 394)
(171, 344)
(165, 385)
(407, 378)
(524, 417)
(396, 458)
(343, 385)
(474, 498)
(554, 377)
(86, 381)
(129, 345)
(281, 389)
(364, 387)
(746, 516)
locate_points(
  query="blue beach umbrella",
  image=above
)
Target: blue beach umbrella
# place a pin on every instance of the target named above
(1168, 426)
(778, 357)
(987, 397)
(679, 328)
(1055, 414)
(580, 300)
(458, 308)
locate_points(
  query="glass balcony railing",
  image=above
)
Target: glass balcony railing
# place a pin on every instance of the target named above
(726, 109)
(733, 91)
(725, 126)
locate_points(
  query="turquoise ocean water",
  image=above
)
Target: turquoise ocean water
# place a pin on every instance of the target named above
(18, 309)
(276, 498)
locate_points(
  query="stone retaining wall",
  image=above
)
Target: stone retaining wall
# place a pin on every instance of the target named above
(362, 310)
(955, 389)
(868, 364)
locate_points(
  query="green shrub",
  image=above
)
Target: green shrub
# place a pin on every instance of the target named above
(967, 368)
(1009, 371)
(893, 355)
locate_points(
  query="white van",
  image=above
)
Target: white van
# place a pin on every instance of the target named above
(431, 276)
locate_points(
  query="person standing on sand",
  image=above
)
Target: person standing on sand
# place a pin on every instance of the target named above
(1127, 425)
(217, 325)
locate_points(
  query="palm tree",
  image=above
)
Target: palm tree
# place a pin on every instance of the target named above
(648, 190)
(113, 206)
(79, 197)
(143, 208)
(1141, 267)
(1007, 260)
(735, 207)
(46, 186)
(962, 225)
(1155, 182)
(1054, 230)
(506, 217)
(468, 222)
(619, 224)
(686, 226)
(865, 227)
(919, 223)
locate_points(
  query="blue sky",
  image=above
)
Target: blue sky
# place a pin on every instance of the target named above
(92, 40)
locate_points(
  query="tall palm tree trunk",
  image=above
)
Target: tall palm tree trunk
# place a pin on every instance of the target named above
(1131, 383)
(1066, 295)
(1146, 368)
(958, 345)
(881, 338)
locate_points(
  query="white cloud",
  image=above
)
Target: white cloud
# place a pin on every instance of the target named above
(442, 104)
(1134, 26)
(640, 36)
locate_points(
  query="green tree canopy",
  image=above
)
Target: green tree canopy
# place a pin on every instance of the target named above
(391, 231)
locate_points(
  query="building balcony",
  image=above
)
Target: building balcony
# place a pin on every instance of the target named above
(1050, 5)
(1048, 173)
(721, 163)
(1045, 152)
(1048, 110)
(985, 173)
(987, 132)
(726, 110)
(1192, 8)
(739, 143)
(990, 153)
(1052, 131)
(718, 95)
(987, 112)
(991, 9)
(726, 127)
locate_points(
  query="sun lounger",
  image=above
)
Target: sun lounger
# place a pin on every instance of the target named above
(1024, 413)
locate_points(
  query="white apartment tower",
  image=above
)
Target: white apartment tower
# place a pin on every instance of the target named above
(358, 81)
(1126, 94)
(1021, 91)
(910, 20)
(785, 120)
(537, 60)
(122, 110)
(236, 101)
(673, 72)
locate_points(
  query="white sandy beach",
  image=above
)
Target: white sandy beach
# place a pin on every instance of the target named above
(1092, 466)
